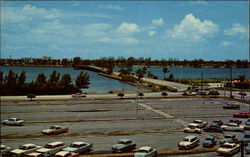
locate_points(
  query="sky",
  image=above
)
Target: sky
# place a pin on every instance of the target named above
(208, 30)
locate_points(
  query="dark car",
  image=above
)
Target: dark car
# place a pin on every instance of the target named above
(247, 125)
(218, 122)
(124, 145)
(209, 142)
(231, 106)
(237, 121)
(247, 149)
(246, 138)
(231, 138)
(213, 128)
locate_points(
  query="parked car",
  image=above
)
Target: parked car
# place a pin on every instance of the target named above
(192, 129)
(228, 149)
(246, 138)
(146, 151)
(24, 150)
(199, 123)
(214, 127)
(247, 125)
(241, 115)
(35, 154)
(247, 149)
(237, 121)
(66, 154)
(123, 145)
(5, 150)
(13, 121)
(209, 142)
(79, 147)
(231, 138)
(233, 127)
(52, 148)
(189, 142)
(55, 129)
(218, 122)
(78, 95)
(231, 106)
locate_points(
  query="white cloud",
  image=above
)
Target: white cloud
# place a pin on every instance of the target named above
(225, 43)
(201, 2)
(112, 7)
(192, 29)
(152, 33)
(127, 28)
(158, 22)
(237, 29)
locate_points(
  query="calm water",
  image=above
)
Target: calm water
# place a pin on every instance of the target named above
(103, 84)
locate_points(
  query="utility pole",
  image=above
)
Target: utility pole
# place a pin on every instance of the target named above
(231, 83)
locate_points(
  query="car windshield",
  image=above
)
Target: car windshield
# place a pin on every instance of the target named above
(186, 139)
(48, 146)
(209, 138)
(227, 146)
(75, 145)
(122, 142)
(23, 147)
(52, 127)
(228, 136)
(199, 122)
(141, 150)
(2, 148)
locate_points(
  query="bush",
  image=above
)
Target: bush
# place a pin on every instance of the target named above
(121, 95)
(128, 78)
(164, 94)
(31, 96)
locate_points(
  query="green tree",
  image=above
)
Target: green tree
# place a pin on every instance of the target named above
(41, 80)
(22, 79)
(31, 96)
(171, 77)
(141, 94)
(82, 80)
(76, 61)
(66, 81)
(120, 95)
(139, 73)
(54, 78)
(164, 94)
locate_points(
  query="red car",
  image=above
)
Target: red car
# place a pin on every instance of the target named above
(242, 115)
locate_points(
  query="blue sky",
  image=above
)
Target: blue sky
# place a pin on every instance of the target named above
(209, 30)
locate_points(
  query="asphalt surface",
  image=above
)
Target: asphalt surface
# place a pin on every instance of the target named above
(159, 122)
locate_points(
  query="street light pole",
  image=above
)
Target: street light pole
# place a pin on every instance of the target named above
(231, 83)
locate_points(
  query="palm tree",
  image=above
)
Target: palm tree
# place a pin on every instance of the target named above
(164, 94)
(165, 70)
(121, 95)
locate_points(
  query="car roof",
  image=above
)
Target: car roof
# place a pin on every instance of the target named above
(247, 133)
(62, 153)
(190, 136)
(231, 144)
(229, 135)
(209, 137)
(198, 120)
(29, 144)
(78, 143)
(55, 143)
(35, 153)
(56, 125)
(125, 140)
(147, 148)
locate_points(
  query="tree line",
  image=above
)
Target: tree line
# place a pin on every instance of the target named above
(110, 62)
(14, 84)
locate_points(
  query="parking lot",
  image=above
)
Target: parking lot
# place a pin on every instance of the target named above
(158, 122)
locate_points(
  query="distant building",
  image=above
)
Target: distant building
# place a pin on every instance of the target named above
(46, 58)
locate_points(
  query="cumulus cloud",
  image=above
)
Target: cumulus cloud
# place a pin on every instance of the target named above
(158, 22)
(237, 29)
(225, 43)
(192, 29)
(152, 33)
(112, 7)
(127, 28)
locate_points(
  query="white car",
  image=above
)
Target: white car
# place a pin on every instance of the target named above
(189, 142)
(228, 149)
(192, 128)
(55, 129)
(146, 151)
(13, 121)
(199, 123)
(24, 150)
(52, 148)
(78, 95)
(66, 154)
(35, 154)
(233, 127)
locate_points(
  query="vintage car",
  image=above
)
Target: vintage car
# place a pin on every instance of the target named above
(4, 150)
(231, 138)
(228, 149)
(13, 121)
(231, 106)
(199, 123)
(189, 142)
(209, 142)
(241, 115)
(246, 138)
(214, 127)
(233, 127)
(35, 154)
(192, 128)
(78, 95)
(123, 145)
(24, 150)
(237, 121)
(247, 149)
(52, 148)
(79, 147)
(55, 129)
(66, 154)
(247, 125)
(218, 122)
(146, 151)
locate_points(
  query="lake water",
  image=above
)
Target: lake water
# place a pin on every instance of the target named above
(103, 84)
